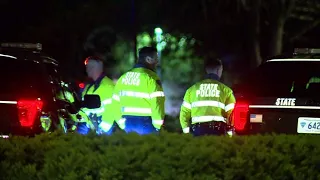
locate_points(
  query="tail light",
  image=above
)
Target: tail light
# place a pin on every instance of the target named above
(240, 115)
(81, 85)
(28, 111)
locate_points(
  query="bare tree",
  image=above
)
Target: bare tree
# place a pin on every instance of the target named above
(307, 11)
(278, 11)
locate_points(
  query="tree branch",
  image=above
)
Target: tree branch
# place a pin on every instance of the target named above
(204, 10)
(291, 4)
(244, 4)
(305, 30)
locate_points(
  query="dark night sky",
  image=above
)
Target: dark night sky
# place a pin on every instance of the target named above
(60, 24)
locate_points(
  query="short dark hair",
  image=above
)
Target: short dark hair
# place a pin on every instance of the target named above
(212, 63)
(95, 58)
(145, 52)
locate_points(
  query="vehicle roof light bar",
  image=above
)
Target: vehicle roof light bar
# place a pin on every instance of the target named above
(35, 46)
(306, 51)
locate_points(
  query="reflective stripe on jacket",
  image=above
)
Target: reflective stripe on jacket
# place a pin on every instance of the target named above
(139, 93)
(104, 88)
(205, 101)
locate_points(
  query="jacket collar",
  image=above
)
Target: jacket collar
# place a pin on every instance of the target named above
(97, 82)
(140, 65)
(212, 76)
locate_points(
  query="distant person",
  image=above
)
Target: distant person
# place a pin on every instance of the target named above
(139, 96)
(101, 118)
(207, 104)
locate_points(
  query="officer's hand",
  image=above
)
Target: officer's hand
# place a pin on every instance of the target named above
(73, 128)
(186, 130)
(230, 130)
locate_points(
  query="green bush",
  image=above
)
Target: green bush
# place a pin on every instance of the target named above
(166, 156)
(172, 124)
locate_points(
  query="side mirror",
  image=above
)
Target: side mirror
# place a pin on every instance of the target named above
(91, 101)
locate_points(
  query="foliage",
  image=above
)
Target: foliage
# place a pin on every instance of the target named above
(172, 124)
(307, 15)
(178, 60)
(180, 64)
(122, 52)
(167, 156)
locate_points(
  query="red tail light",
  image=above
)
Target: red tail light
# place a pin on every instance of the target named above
(27, 111)
(81, 85)
(240, 115)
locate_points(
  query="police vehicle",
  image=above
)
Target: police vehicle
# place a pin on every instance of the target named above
(280, 96)
(34, 98)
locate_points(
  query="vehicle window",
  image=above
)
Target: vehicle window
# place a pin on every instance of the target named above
(63, 91)
(19, 75)
(287, 78)
(53, 73)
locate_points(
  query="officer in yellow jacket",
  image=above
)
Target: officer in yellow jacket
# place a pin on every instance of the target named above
(65, 94)
(101, 118)
(139, 97)
(207, 104)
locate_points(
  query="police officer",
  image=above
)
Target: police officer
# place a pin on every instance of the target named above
(64, 93)
(207, 104)
(101, 118)
(139, 97)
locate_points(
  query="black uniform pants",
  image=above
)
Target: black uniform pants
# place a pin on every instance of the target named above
(209, 128)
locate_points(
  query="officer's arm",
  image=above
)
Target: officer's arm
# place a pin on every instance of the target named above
(83, 93)
(185, 113)
(229, 104)
(107, 116)
(157, 100)
(116, 107)
(84, 116)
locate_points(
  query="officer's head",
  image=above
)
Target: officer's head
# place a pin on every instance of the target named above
(94, 67)
(214, 66)
(148, 56)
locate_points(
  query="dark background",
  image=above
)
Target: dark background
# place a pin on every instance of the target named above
(243, 33)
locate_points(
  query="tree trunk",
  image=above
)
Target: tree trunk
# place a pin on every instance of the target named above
(276, 37)
(254, 34)
(280, 12)
(134, 28)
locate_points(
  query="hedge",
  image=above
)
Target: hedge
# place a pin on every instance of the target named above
(154, 157)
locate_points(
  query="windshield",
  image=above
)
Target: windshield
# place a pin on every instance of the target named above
(296, 78)
(18, 76)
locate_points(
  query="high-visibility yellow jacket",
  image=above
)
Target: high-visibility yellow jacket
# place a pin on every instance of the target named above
(138, 92)
(206, 101)
(103, 87)
(66, 95)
